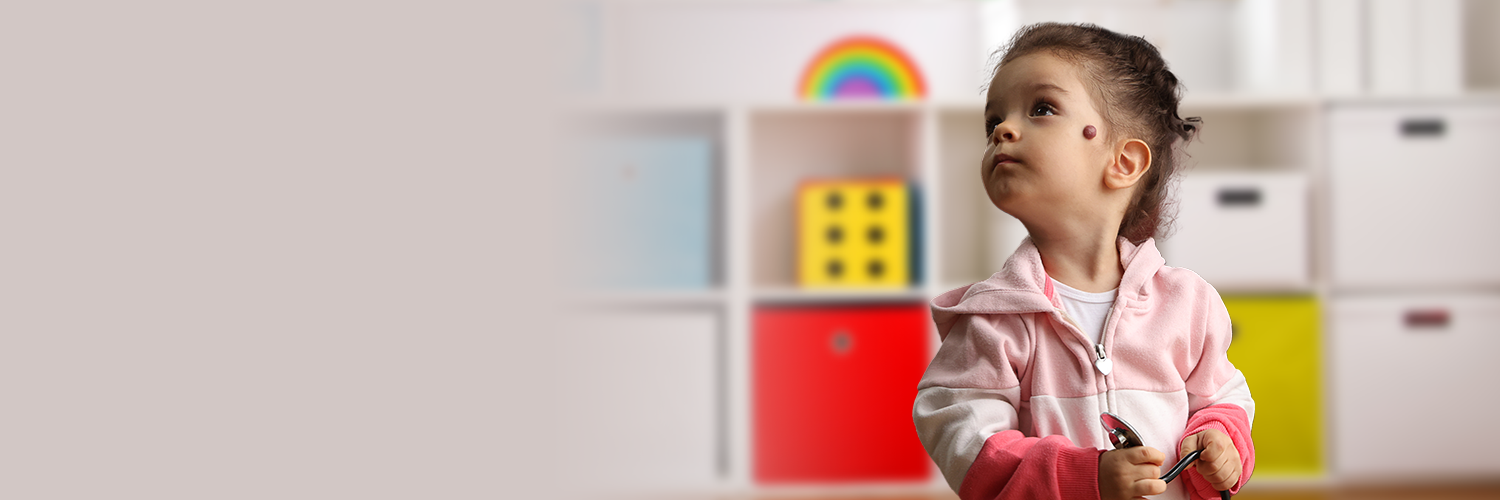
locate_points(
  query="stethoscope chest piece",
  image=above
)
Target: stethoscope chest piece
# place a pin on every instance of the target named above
(1120, 433)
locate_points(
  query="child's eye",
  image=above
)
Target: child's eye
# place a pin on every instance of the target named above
(1043, 109)
(989, 126)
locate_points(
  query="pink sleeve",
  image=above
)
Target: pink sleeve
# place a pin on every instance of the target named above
(1218, 394)
(1232, 421)
(1012, 465)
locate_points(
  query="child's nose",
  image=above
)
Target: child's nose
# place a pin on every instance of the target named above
(1004, 132)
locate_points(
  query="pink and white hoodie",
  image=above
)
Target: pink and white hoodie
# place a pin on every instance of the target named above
(1009, 407)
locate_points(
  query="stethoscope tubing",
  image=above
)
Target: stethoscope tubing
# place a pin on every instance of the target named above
(1182, 466)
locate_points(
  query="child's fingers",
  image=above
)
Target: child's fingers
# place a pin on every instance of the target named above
(1146, 455)
(1213, 473)
(1190, 444)
(1130, 473)
(1146, 487)
(1211, 460)
(1217, 464)
(1222, 444)
(1144, 462)
(1221, 474)
(1223, 480)
(1227, 462)
(1212, 442)
(1211, 457)
(1211, 448)
(1145, 471)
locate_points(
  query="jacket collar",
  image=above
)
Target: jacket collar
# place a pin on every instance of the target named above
(1022, 285)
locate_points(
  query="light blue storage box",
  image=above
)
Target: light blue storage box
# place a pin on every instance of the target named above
(646, 213)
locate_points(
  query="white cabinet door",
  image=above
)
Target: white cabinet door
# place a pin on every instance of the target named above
(1414, 196)
(1242, 231)
(635, 400)
(1414, 385)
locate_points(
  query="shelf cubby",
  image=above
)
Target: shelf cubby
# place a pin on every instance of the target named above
(788, 145)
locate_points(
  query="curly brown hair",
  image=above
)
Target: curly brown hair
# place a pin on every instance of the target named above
(1138, 96)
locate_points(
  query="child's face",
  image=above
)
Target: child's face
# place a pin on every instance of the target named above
(1038, 164)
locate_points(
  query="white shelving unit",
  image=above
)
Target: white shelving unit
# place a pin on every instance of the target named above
(766, 146)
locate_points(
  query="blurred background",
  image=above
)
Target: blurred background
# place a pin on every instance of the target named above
(769, 192)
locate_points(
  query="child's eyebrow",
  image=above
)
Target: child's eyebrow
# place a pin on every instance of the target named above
(1035, 87)
(1048, 86)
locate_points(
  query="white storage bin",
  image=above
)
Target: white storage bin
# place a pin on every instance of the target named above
(1242, 231)
(1413, 391)
(1413, 196)
(637, 399)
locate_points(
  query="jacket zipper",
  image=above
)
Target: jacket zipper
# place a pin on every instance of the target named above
(1102, 362)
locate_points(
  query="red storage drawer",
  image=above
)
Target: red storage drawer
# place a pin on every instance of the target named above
(833, 391)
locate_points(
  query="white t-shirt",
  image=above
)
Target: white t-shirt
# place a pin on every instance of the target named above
(1087, 309)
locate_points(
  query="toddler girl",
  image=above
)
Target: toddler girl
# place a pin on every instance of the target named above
(1084, 318)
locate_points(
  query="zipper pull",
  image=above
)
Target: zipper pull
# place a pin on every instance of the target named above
(1103, 363)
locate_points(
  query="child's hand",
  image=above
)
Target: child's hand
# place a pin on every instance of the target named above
(1220, 462)
(1131, 473)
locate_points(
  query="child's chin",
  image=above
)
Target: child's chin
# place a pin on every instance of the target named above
(1011, 203)
(1005, 203)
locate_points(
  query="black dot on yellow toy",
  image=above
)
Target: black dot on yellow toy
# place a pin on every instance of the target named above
(854, 233)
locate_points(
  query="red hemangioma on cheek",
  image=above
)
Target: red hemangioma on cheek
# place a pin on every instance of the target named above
(1089, 132)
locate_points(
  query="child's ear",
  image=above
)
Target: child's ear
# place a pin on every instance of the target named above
(1131, 161)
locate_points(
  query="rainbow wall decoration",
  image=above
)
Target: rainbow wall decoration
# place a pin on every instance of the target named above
(862, 67)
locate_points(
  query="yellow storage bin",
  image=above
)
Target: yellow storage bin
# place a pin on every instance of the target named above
(1278, 347)
(854, 233)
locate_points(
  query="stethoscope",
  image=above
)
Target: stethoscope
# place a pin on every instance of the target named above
(1122, 435)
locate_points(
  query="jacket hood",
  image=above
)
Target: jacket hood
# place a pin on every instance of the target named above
(1022, 285)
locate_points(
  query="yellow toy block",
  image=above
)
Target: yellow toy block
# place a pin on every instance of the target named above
(854, 233)
(1277, 346)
